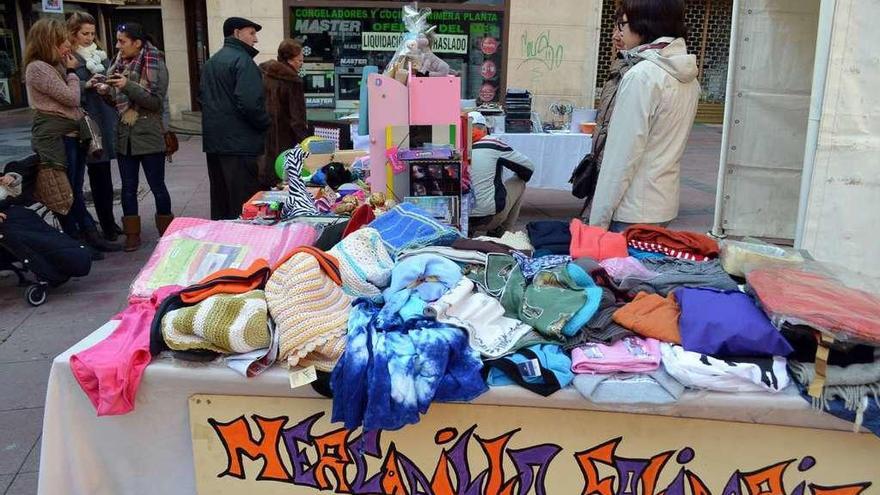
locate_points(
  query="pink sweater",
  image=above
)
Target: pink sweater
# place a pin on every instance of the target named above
(49, 92)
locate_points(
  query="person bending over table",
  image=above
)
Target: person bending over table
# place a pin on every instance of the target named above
(497, 204)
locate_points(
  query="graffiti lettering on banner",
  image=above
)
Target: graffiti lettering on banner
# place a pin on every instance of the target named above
(272, 443)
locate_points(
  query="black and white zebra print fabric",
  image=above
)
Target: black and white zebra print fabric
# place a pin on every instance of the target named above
(299, 202)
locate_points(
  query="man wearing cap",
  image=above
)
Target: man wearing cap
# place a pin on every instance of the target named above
(497, 204)
(234, 118)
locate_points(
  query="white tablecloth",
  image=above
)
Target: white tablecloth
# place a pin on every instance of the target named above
(149, 450)
(555, 155)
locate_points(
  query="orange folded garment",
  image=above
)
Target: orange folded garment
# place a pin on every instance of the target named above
(228, 281)
(651, 315)
(595, 242)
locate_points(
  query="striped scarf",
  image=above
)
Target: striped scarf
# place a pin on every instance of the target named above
(143, 70)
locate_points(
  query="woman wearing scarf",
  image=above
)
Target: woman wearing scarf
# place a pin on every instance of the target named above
(92, 60)
(59, 134)
(138, 81)
(654, 111)
(619, 67)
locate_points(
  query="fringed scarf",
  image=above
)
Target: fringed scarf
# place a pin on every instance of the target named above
(855, 385)
(143, 70)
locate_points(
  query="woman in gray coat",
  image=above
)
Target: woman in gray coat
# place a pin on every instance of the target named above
(92, 60)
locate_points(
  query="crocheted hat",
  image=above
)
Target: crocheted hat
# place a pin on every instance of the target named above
(363, 262)
(309, 308)
(224, 323)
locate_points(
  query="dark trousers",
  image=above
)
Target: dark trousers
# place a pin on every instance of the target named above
(78, 219)
(233, 181)
(101, 182)
(154, 170)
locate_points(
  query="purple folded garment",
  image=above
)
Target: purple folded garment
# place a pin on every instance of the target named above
(726, 324)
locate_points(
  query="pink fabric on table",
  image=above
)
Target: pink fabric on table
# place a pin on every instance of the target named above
(628, 355)
(110, 371)
(205, 243)
(621, 268)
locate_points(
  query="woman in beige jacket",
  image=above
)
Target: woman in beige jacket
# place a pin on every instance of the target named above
(653, 115)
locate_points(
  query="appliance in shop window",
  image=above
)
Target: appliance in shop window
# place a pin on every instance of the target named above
(348, 86)
(319, 83)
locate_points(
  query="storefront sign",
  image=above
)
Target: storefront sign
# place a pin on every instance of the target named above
(271, 445)
(466, 40)
(389, 42)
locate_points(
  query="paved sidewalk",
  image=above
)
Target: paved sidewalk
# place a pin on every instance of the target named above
(31, 337)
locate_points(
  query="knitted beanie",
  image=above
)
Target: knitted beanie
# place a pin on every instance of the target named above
(364, 263)
(224, 323)
(310, 310)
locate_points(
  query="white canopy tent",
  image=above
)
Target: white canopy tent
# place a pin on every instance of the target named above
(800, 154)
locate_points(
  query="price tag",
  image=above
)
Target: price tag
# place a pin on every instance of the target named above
(301, 377)
(530, 368)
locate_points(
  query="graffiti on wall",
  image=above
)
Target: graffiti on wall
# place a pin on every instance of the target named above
(540, 54)
(342, 461)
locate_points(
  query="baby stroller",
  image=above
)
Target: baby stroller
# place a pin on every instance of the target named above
(39, 254)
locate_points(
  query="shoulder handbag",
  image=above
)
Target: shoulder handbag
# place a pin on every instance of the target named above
(584, 178)
(52, 188)
(171, 144)
(96, 145)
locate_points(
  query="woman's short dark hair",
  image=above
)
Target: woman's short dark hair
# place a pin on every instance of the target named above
(133, 30)
(652, 19)
(289, 49)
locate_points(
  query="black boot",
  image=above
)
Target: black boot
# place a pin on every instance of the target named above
(111, 232)
(99, 243)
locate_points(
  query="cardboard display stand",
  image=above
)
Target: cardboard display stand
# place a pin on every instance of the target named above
(394, 107)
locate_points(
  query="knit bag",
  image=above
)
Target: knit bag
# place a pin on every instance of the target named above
(364, 263)
(224, 323)
(310, 309)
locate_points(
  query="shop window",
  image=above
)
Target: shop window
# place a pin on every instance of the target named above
(11, 77)
(340, 41)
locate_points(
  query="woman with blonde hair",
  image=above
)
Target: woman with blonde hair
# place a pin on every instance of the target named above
(59, 134)
(92, 60)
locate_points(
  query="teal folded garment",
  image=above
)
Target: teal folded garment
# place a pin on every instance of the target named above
(543, 369)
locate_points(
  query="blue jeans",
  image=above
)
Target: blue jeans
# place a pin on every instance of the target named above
(154, 171)
(78, 219)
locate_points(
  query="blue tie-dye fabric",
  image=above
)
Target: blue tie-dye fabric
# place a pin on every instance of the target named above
(391, 372)
(424, 277)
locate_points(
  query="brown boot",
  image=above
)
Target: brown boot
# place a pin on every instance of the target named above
(131, 227)
(162, 222)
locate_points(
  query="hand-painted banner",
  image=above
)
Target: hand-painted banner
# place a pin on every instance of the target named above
(265, 446)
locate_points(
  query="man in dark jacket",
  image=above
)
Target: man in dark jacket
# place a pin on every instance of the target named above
(234, 118)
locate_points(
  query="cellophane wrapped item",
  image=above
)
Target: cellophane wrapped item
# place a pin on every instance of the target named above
(839, 303)
(415, 21)
(737, 257)
(193, 248)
